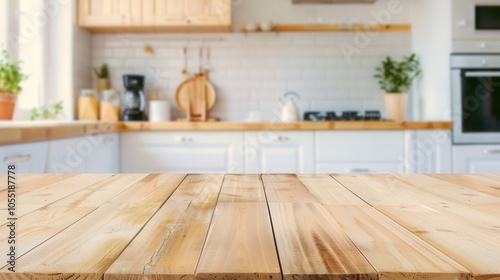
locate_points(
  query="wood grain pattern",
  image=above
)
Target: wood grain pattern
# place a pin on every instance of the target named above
(424, 213)
(327, 191)
(242, 188)
(240, 244)
(140, 226)
(44, 223)
(392, 250)
(162, 247)
(88, 247)
(47, 194)
(311, 245)
(482, 183)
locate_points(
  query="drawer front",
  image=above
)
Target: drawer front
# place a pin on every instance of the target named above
(69, 155)
(360, 168)
(477, 159)
(182, 152)
(352, 146)
(28, 158)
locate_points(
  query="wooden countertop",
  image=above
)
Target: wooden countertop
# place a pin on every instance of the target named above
(11, 133)
(177, 226)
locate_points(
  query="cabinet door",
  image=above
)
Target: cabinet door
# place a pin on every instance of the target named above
(109, 13)
(69, 155)
(28, 158)
(476, 159)
(187, 12)
(182, 152)
(104, 157)
(429, 151)
(279, 152)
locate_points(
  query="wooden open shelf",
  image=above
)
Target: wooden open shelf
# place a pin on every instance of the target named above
(340, 28)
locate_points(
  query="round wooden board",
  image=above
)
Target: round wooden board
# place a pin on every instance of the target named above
(191, 87)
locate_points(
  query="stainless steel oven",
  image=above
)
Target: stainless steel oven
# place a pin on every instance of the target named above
(476, 98)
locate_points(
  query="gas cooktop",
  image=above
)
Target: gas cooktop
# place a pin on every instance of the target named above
(315, 116)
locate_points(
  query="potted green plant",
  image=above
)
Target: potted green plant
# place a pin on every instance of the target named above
(10, 80)
(103, 77)
(395, 79)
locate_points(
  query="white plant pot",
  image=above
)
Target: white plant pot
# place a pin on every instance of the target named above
(395, 105)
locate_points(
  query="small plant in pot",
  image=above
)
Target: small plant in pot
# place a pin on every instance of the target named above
(103, 76)
(395, 79)
(10, 80)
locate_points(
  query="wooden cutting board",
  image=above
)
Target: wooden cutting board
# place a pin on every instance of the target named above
(196, 96)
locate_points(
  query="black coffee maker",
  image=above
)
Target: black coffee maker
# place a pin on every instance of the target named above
(133, 98)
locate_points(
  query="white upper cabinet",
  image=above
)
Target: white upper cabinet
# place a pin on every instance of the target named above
(279, 152)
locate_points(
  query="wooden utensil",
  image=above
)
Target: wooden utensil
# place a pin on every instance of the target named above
(196, 96)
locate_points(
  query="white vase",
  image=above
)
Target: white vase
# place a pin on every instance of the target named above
(395, 105)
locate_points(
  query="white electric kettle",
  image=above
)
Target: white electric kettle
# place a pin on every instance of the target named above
(289, 110)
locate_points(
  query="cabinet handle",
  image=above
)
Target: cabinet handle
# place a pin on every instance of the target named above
(280, 138)
(358, 170)
(108, 139)
(184, 139)
(491, 152)
(15, 159)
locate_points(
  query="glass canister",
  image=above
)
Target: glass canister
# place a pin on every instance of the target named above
(110, 106)
(88, 105)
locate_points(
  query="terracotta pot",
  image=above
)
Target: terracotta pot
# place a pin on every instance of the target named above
(102, 84)
(7, 105)
(395, 105)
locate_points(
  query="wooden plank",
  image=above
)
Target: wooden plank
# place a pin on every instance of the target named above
(286, 188)
(342, 28)
(29, 182)
(447, 189)
(311, 245)
(374, 187)
(328, 191)
(38, 226)
(242, 188)
(161, 250)
(88, 247)
(45, 195)
(477, 251)
(481, 183)
(392, 250)
(472, 247)
(240, 244)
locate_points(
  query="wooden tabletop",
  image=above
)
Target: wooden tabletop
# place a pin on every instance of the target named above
(176, 226)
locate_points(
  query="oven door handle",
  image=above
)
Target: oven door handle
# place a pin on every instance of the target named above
(483, 74)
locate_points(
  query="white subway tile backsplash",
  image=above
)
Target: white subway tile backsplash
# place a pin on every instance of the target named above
(251, 71)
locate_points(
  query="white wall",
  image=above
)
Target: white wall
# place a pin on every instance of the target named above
(251, 71)
(431, 38)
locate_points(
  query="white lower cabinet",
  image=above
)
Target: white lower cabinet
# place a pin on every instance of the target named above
(279, 152)
(429, 151)
(97, 153)
(182, 152)
(105, 155)
(27, 157)
(360, 152)
(476, 159)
